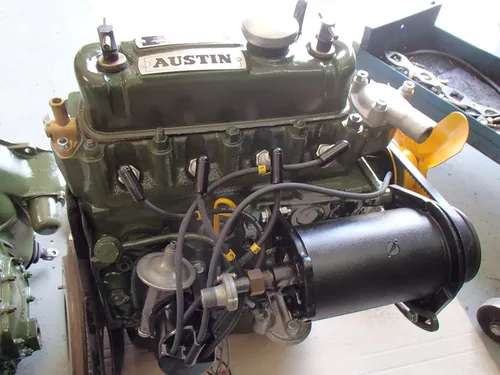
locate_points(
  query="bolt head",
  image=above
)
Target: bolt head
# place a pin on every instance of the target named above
(160, 135)
(412, 316)
(232, 134)
(293, 325)
(118, 298)
(160, 140)
(199, 267)
(380, 105)
(299, 128)
(192, 167)
(286, 211)
(262, 158)
(62, 143)
(362, 77)
(408, 87)
(90, 144)
(354, 122)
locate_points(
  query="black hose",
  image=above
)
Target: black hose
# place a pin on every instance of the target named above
(308, 164)
(230, 176)
(272, 220)
(269, 227)
(459, 61)
(168, 215)
(192, 308)
(165, 238)
(179, 295)
(235, 316)
(205, 219)
(219, 320)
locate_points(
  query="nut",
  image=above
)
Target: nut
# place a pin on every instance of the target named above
(232, 135)
(262, 158)
(257, 282)
(322, 148)
(353, 123)
(160, 143)
(299, 129)
(408, 87)
(199, 267)
(362, 76)
(192, 167)
(265, 215)
(380, 105)
(118, 297)
(286, 211)
(160, 135)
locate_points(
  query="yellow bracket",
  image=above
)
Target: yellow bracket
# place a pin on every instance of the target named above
(221, 201)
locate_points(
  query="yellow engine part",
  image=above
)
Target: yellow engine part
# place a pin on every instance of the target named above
(447, 139)
(221, 201)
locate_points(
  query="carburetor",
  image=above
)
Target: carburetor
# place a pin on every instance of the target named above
(237, 187)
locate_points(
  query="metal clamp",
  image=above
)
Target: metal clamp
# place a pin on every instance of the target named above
(426, 320)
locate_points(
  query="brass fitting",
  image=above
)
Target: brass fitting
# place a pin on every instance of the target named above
(63, 130)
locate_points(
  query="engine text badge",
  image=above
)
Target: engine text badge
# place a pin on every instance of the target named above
(193, 59)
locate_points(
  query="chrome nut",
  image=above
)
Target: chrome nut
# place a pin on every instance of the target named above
(322, 148)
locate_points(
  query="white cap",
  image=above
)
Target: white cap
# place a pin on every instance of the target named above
(272, 32)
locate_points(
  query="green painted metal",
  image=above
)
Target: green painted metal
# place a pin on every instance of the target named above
(19, 334)
(159, 122)
(294, 85)
(31, 196)
(28, 172)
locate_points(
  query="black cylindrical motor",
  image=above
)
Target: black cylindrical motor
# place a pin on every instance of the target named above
(361, 262)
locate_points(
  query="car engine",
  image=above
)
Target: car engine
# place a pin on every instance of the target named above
(238, 187)
(31, 200)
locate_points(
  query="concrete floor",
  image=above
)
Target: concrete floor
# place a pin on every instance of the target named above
(36, 61)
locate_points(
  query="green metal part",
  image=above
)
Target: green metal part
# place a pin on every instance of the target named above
(28, 172)
(19, 334)
(31, 198)
(293, 85)
(158, 123)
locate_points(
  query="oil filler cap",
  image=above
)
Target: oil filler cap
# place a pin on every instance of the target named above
(270, 36)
